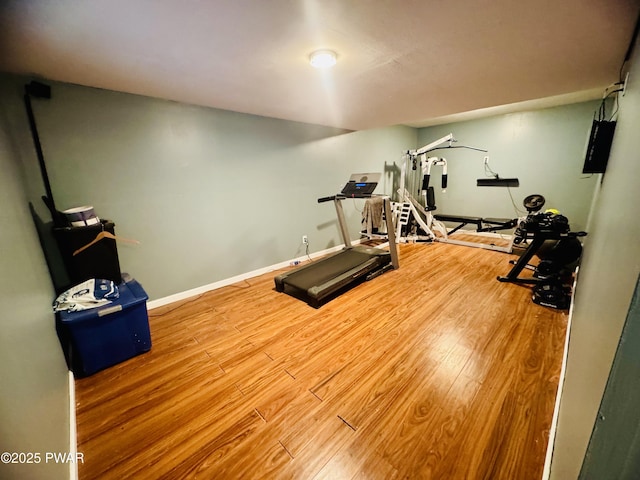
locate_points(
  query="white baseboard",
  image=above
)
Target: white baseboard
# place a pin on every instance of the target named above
(73, 437)
(563, 370)
(238, 278)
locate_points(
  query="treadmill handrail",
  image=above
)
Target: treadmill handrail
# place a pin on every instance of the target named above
(327, 199)
(340, 196)
(344, 231)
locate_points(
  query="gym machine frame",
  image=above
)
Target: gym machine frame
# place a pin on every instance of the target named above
(434, 222)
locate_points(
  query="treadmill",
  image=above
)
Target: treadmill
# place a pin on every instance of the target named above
(334, 274)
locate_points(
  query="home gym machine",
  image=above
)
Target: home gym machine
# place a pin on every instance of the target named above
(414, 216)
(324, 279)
(548, 236)
(415, 220)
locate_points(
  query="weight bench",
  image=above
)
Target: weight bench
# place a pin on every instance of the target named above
(482, 224)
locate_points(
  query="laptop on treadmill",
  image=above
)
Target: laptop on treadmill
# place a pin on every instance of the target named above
(361, 184)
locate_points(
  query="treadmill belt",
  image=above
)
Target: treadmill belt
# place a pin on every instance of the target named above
(327, 269)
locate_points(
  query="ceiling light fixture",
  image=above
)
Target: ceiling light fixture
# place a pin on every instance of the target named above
(322, 59)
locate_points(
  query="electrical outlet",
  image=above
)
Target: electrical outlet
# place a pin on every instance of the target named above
(305, 240)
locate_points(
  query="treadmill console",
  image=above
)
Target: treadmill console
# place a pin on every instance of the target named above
(361, 185)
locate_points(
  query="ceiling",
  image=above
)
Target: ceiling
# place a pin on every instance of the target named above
(411, 62)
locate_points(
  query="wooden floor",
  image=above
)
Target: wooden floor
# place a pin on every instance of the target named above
(436, 370)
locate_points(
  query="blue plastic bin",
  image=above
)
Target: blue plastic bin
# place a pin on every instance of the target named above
(101, 337)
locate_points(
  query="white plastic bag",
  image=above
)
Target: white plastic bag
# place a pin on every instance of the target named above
(89, 294)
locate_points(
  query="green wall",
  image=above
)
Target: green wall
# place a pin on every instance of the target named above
(609, 269)
(209, 194)
(544, 149)
(34, 403)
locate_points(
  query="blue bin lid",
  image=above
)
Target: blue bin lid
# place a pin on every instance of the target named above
(131, 293)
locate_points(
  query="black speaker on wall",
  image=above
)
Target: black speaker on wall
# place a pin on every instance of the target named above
(599, 146)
